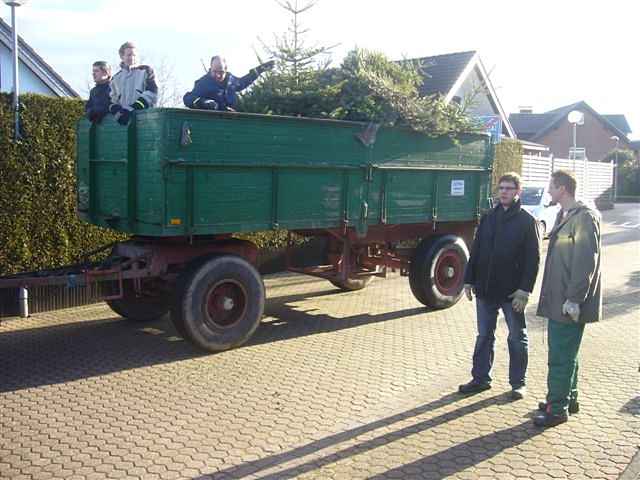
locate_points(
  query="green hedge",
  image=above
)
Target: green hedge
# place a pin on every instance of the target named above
(38, 223)
(508, 159)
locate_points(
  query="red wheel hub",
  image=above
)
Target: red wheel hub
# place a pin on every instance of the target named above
(226, 303)
(448, 272)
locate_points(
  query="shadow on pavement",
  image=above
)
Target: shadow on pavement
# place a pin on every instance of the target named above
(634, 279)
(290, 323)
(632, 407)
(464, 455)
(50, 355)
(622, 236)
(507, 438)
(62, 353)
(616, 305)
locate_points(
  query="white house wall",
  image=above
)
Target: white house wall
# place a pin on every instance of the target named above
(481, 105)
(28, 81)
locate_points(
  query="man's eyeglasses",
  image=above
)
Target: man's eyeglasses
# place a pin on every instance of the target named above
(506, 188)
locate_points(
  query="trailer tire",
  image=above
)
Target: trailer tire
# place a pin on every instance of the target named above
(436, 275)
(139, 309)
(219, 303)
(352, 284)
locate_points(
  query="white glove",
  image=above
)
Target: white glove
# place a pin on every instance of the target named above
(519, 300)
(571, 309)
(468, 291)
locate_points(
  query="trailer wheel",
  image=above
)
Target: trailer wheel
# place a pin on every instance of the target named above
(352, 284)
(219, 303)
(139, 309)
(436, 275)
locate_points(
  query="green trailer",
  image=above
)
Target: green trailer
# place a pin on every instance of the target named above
(183, 182)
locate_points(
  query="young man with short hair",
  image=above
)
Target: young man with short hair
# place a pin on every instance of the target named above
(100, 96)
(501, 272)
(571, 295)
(134, 87)
(218, 89)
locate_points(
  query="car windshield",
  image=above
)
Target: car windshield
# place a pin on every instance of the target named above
(531, 195)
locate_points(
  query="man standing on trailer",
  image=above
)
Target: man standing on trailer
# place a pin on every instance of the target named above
(502, 270)
(571, 295)
(100, 96)
(218, 89)
(133, 88)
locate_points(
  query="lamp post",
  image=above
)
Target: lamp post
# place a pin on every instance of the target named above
(615, 167)
(576, 118)
(16, 91)
(23, 294)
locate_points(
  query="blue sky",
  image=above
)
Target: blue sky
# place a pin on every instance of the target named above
(545, 53)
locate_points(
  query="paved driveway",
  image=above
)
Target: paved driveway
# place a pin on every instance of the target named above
(333, 385)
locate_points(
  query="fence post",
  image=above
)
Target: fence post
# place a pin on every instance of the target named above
(23, 300)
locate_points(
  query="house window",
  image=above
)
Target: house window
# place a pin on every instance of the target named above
(577, 153)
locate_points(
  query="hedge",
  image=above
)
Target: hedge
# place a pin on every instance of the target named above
(508, 158)
(38, 223)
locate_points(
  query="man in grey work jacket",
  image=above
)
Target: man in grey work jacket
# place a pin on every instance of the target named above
(502, 269)
(571, 296)
(133, 88)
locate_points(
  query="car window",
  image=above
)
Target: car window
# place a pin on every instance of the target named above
(531, 195)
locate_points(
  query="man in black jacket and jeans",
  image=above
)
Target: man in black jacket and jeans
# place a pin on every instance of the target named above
(502, 271)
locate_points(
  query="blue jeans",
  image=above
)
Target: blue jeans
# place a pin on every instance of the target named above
(487, 313)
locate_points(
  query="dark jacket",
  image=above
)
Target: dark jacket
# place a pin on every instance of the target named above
(572, 270)
(98, 104)
(224, 94)
(505, 254)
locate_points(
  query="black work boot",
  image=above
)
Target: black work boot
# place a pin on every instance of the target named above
(474, 387)
(518, 393)
(574, 407)
(549, 419)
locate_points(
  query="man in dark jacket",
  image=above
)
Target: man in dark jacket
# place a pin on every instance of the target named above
(570, 297)
(218, 89)
(502, 271)
(99, 98)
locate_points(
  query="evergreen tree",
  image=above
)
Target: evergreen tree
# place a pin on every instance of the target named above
(366, 87)
(297, 85)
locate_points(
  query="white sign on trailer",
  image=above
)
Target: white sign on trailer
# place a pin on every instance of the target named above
(457, 188)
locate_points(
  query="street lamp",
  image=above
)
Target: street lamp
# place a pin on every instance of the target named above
(16, 104)
(615, 168)
(23, 294)
(576, 117)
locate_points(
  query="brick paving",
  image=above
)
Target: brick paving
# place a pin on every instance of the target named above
(332, 386)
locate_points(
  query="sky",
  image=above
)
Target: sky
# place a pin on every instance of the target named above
(544, 54)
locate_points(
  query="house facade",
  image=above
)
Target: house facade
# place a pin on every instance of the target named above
(35, 75)
(594, 139)
(459, 76)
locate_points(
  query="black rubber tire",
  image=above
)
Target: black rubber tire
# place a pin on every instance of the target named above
(352, 284)
(139, 309)
(426, 286)
(198, 314)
